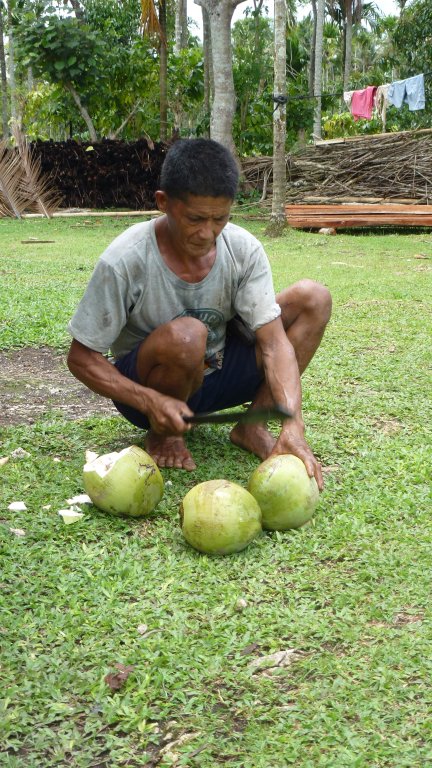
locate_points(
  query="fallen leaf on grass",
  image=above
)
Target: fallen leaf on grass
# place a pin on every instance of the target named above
(330, 469)
(17, 531)
(17, 506)
(421, 256)
(116, 680)
(167, 749)
(248, 649)
(3, 460)
(268, 664)
(19, 453)
(407, 618)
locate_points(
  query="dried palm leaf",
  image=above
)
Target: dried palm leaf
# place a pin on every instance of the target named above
(12, 201)
(149, 19)
(36, 187)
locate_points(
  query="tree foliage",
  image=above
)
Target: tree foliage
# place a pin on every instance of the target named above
(95, 51)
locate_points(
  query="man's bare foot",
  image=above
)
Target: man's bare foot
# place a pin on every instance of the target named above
(169, 452)
(253, 438)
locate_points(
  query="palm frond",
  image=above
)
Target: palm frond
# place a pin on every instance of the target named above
(12, 201)
(149, 18)
(36, 187)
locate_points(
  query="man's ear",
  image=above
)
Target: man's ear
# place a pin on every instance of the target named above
(161, 200)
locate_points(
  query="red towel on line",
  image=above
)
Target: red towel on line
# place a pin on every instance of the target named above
(362, 102)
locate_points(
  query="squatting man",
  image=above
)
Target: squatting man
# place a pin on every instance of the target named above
(185, 305)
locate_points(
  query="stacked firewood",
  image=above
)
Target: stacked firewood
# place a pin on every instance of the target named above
(107, 174)
(373, 168)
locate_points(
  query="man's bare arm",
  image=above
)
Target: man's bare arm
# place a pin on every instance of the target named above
(283, 379)
(98, 374)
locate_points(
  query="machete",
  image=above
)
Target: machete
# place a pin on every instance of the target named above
(250, 416)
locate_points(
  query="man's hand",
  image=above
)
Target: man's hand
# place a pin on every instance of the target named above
(165, 414)
(291, 440)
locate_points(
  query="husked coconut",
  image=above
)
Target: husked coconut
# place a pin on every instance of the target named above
(127, 482)
(219, 517)
(286, 494)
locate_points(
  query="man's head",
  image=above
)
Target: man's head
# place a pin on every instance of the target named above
(199, 167)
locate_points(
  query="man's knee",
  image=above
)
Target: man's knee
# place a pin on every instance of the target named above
(310, 297)
(317, 298)
(184, 339)
(172, 352)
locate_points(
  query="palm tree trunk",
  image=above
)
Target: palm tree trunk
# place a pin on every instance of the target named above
(208, 69)
(224, 103)
(312, 51)
(163, 73)
(279, 114)
(318, 68)
(4, 98)
(180, 40)
(11, 49)
(348, 45)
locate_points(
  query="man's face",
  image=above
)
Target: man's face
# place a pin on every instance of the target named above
(195, 223)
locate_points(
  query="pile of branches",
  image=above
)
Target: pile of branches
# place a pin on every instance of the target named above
(107, 174)
(376, 168)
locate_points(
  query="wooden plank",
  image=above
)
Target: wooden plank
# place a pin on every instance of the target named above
(336, 223)
(350, 215)
(88, 214)
(358, 208)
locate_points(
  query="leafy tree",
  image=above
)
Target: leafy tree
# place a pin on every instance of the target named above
(413, 38)
(66, 52)
(186, 89)
(253, 77)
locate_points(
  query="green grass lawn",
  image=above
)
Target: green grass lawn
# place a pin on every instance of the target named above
(349, 593)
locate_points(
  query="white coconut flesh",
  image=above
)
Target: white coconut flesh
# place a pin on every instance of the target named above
(127, 482)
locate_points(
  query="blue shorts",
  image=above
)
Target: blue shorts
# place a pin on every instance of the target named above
(234, 384)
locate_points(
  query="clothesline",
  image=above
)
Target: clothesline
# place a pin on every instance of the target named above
(306, 96)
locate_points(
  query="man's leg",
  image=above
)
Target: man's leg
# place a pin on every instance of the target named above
(171, 361)
(305, 309)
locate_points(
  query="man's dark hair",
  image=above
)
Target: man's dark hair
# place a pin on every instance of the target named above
(199, 167)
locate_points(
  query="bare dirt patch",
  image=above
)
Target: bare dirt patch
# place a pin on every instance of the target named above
(34, 382)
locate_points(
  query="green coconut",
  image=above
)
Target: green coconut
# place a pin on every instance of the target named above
(286, 494)
(127, 482)
(218, 517)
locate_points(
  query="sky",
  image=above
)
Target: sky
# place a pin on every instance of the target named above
(388, 7)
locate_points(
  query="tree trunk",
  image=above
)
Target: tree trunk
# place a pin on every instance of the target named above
(4, 97)
(82, 110)
(312, 51)
(279, 116)
(224, 103)
(11, 50)
(208, 70)
(348, 45)
(78, 11)
(318, 68)
(163, 73)
(181, 34)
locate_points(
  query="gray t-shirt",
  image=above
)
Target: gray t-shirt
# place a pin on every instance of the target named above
(132, 291)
